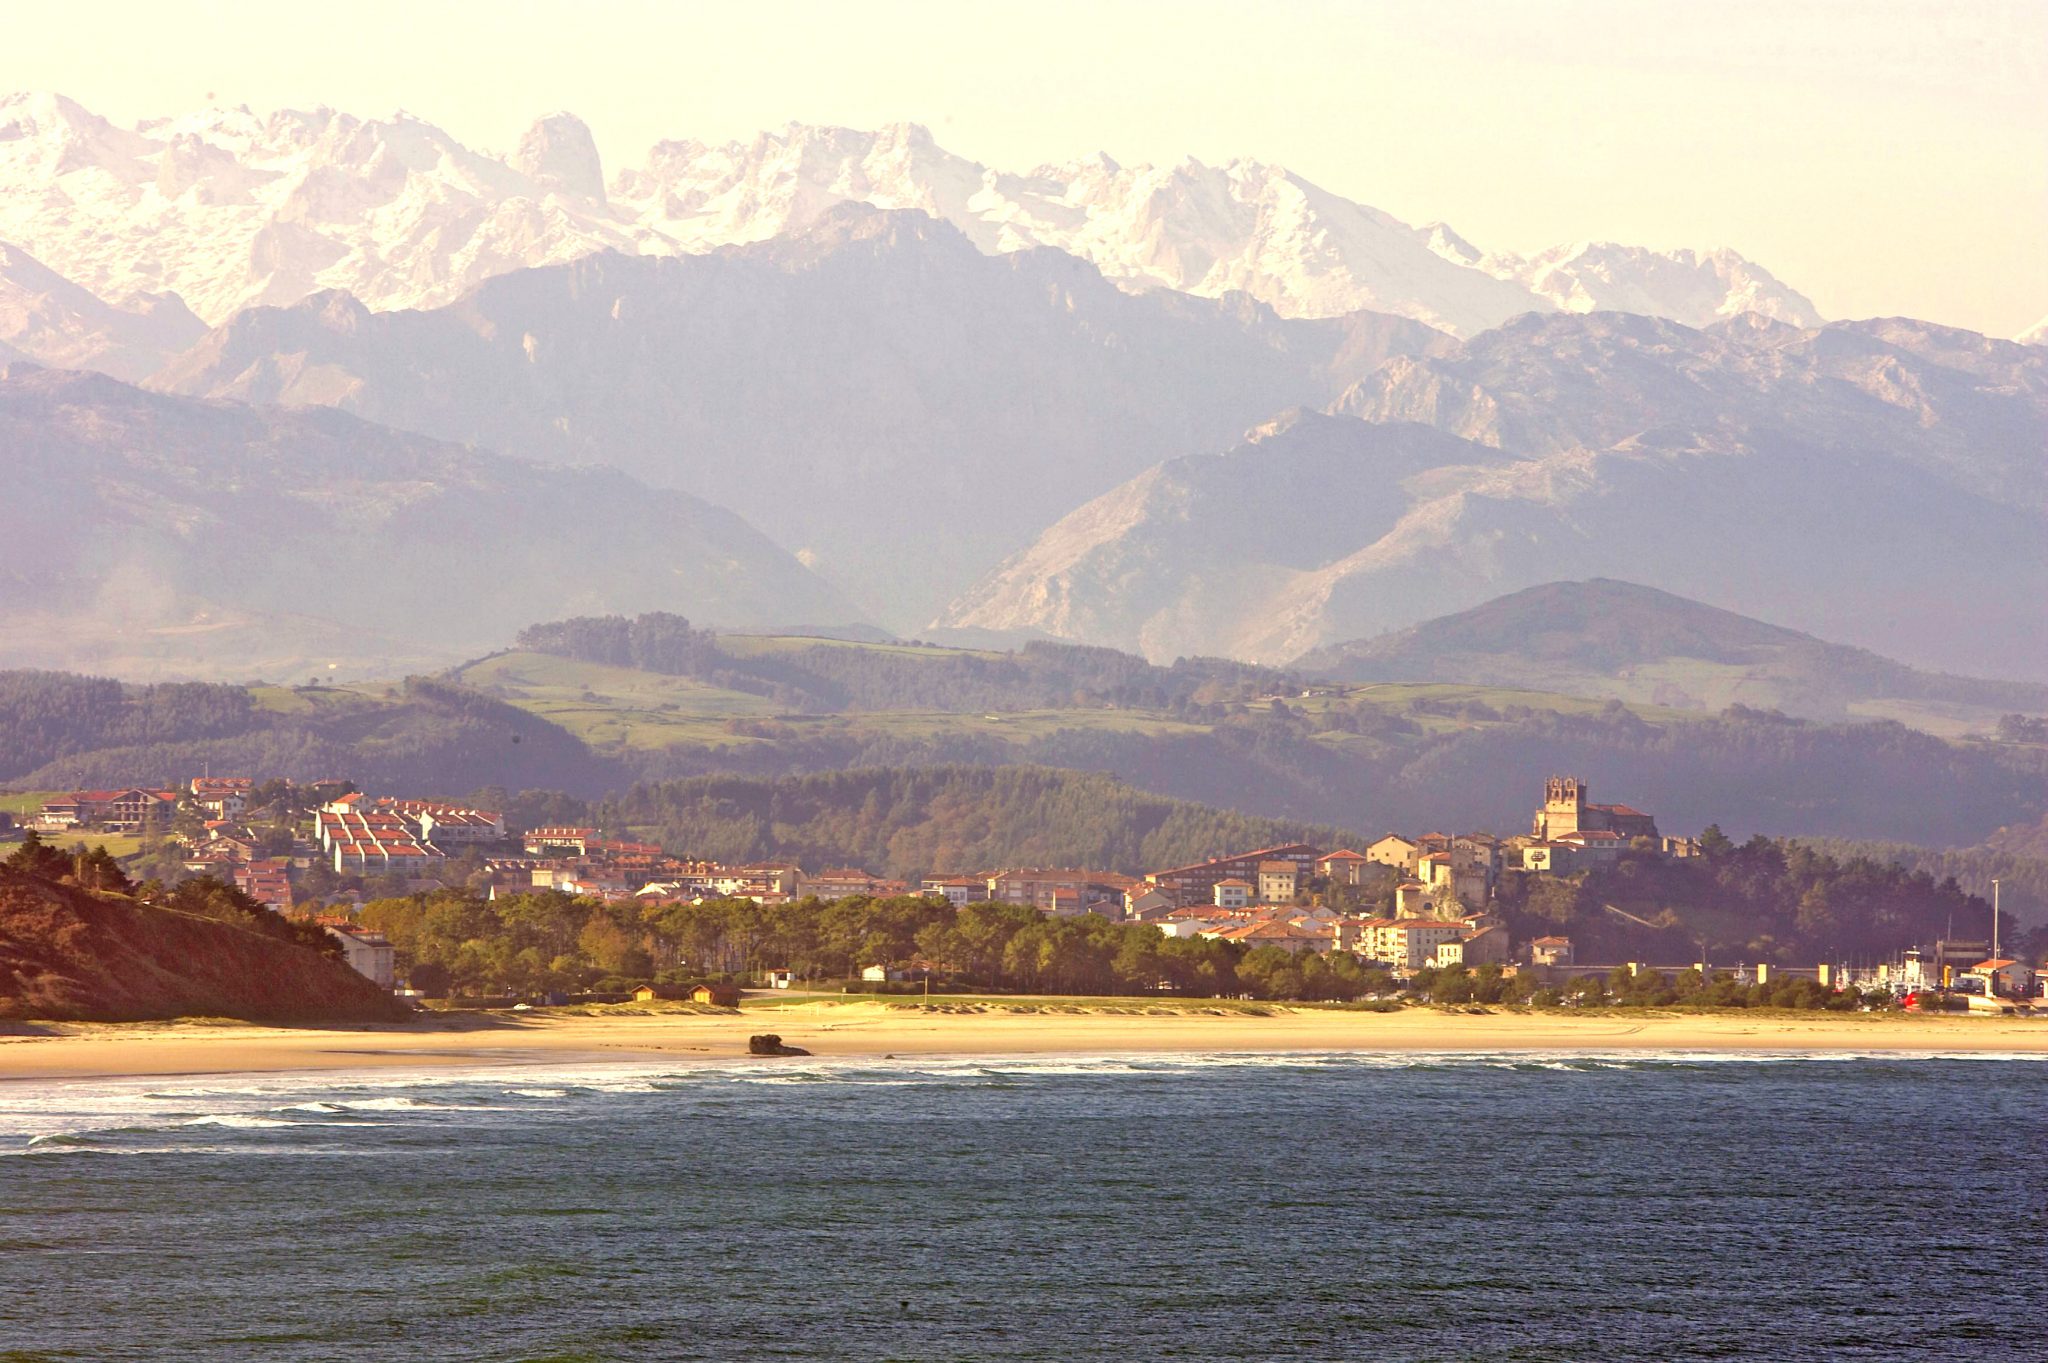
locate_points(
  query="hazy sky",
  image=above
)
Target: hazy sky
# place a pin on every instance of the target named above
(1885, 156)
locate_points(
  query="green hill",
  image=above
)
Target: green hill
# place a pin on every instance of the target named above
(1604, 638)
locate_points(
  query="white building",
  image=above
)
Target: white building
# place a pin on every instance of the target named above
(1233, 894)
(1405, 943)
(369, 954)
(955, 890)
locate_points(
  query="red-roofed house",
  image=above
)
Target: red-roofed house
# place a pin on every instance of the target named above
(541, 842)
(1593, 847)
(1284, 933)
(266, 881)
(2004, 978)
(224, 797)
(1395, 851)
(116, 810)
(1344, 867)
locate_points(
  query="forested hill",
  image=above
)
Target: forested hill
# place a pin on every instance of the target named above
(61, 731)
(946, 819)
(1764, 899)
(830, 675)
(49, 715)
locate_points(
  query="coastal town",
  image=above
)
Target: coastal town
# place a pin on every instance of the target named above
(1402, 904)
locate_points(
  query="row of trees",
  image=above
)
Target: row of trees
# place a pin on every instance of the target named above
(528, 944)
(456, 940)
(1489, 984)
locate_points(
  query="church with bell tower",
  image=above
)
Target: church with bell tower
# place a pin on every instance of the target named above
(1567, 809)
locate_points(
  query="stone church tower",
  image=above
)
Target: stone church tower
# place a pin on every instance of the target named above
(1564, 808)
(1567, 810)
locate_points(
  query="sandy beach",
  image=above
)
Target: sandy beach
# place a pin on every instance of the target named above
(866, 1028)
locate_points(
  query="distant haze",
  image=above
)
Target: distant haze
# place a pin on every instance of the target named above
(1887, 157)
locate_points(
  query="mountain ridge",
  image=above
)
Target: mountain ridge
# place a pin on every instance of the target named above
(159, 535)
(232, 209)
(47, 318)
(812, 382)
(1888, 468)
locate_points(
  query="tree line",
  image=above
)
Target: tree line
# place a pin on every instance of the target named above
(459, 942)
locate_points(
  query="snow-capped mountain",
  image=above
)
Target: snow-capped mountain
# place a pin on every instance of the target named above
(227, 209)
(47, 317)
(230, 209)
(1696, 288)
(2036, 334)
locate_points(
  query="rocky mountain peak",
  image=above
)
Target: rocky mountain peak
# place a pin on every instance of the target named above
(559, 152)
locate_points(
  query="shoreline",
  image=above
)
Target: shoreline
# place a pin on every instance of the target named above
(866, 1029)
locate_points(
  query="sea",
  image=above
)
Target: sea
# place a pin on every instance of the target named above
(1570, 1207)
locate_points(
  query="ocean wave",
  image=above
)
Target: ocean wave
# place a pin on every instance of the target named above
(50, 1138)
(119, 1111)
(50, 1151)
(404, 1104)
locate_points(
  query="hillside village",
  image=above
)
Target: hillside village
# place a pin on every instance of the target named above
(1402, 903)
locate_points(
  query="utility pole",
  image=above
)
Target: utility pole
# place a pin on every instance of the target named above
(1994, 918)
